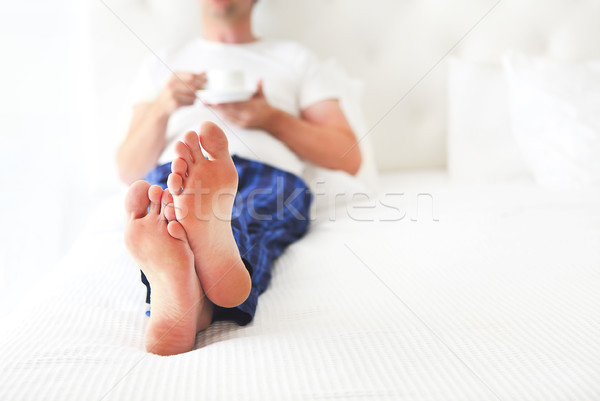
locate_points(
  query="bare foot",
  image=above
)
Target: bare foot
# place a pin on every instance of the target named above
(204, 191)
(161, 249)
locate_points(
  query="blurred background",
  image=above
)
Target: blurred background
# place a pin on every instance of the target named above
(67, 65)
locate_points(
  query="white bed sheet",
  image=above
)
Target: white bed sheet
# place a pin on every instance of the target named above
(497, 300)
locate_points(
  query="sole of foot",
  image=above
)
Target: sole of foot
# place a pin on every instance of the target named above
(204, 190)
(161, 249)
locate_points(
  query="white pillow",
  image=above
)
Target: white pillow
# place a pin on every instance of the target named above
(555, 112)
(481, 147)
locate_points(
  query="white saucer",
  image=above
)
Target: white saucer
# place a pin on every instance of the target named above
(218, 97)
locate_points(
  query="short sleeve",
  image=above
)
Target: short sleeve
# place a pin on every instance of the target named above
(318, 82)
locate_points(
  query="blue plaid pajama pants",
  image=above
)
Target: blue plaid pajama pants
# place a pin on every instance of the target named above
(270, 212)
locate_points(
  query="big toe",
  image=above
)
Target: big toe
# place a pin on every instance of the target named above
(214, 140)
(136, 200)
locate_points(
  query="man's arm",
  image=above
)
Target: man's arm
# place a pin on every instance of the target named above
(144, 143)
(321, 135)
(145, 138)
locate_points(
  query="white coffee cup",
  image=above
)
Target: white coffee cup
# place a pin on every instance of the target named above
(221, 80)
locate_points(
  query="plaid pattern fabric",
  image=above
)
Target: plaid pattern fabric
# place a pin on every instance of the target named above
(270, 212)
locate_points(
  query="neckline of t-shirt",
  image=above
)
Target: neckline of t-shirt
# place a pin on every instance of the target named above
(213, 43)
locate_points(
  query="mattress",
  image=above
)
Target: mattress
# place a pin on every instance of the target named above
(427, 291)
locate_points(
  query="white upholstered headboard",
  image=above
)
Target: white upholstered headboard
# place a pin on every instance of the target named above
(396, 47)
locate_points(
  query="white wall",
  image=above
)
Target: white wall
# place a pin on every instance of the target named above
(392, 44)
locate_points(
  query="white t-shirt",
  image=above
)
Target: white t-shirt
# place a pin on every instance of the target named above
(293, 79)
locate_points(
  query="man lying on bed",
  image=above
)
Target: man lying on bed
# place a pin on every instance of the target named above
(205, 255)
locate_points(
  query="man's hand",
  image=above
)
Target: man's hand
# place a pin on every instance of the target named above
(179, 91)
(255, 112)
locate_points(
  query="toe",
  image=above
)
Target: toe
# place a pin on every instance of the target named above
(182, 150)
(136, 200)
(214, 140)
(193, 143)
(164, 201)
(169, 212)
(167, 197)
(174, 183)
(176, 230)
(179, 166)
(155, 194)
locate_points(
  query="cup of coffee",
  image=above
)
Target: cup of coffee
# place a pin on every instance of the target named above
(221, 80)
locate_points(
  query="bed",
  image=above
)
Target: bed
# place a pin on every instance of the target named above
(427, 291)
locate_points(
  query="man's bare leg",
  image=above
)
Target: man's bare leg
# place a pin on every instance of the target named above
(161, 249)
(204, 192)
